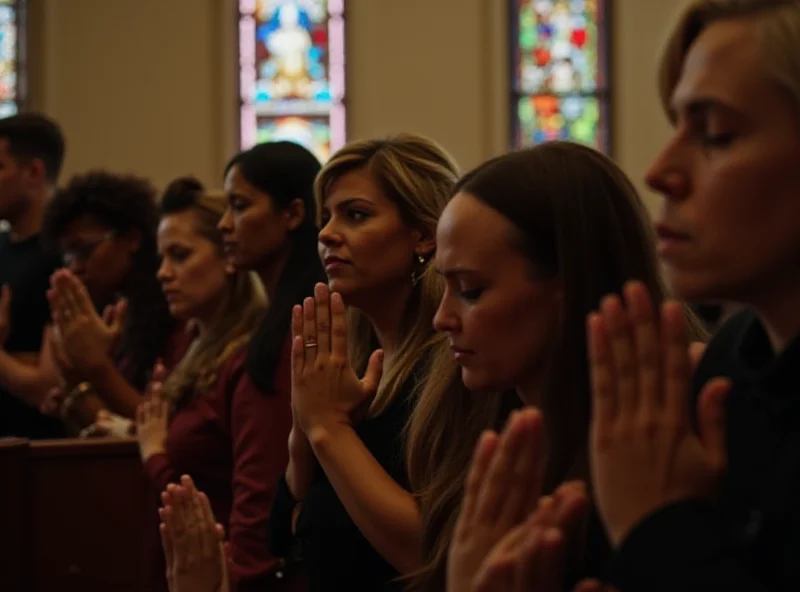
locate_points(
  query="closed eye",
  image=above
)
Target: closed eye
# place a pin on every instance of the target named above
(471, 295)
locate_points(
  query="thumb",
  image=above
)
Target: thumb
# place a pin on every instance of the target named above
(120, 314)
(372, 377)
(696, 351)
(711, 417)
(108, 315)
(159, 372)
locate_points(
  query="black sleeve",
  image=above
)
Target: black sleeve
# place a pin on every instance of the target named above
(281, 538)
(680, 547)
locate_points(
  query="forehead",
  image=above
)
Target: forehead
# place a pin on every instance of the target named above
(725, 64)
(180, 225)
(472, 234)
(356, 184)
(83, 227)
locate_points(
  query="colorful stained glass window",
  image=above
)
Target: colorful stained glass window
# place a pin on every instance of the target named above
(559, 72)
(291, 58)
(11, 89)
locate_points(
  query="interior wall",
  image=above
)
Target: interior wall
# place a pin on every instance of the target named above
(149, 86)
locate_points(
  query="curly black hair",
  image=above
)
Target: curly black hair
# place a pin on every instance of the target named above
(122, 203)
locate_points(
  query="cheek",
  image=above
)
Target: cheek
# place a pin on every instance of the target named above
(203, 278)
(509, 338)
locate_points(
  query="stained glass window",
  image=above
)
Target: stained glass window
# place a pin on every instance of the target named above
(291, 58)
(11, 89)
(559, 80)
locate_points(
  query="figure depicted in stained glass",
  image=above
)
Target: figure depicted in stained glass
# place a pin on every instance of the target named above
(558, 74)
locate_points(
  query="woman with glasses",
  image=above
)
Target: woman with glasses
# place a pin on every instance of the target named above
(104, 226)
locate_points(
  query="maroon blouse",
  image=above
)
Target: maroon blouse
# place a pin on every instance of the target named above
(233, 443)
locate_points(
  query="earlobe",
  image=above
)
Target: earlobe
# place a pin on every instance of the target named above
(295, 214)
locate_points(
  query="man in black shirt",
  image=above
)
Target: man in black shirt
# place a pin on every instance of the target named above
(31, 155)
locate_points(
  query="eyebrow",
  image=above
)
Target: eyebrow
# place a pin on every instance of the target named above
(456, 271)
(349, 201)
(701, 106)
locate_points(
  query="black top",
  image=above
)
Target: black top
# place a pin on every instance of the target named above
(334, 553)
(27, 269)
(750, 540)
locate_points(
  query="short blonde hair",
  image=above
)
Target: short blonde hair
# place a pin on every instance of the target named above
(418, 176)
(775, 22)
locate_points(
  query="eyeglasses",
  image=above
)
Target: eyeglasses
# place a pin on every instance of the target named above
(83, 251)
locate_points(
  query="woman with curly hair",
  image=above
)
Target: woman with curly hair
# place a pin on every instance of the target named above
(104, 227)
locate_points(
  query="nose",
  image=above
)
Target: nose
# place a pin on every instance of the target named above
(225, 225)
(328, 235)
(669, 173)
(164, 271)
(445, 320)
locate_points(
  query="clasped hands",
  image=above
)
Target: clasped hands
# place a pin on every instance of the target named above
(326, 392)
(644, 454)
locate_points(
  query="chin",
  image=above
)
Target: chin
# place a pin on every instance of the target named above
(475, 381)
(697, 287)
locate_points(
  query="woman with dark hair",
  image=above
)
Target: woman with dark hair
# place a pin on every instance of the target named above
(104, 226)
(528, 246)
(270, 228)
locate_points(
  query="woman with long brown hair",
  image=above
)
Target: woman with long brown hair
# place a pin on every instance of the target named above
(528, 246)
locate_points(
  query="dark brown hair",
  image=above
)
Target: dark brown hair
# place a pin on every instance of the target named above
(577, 217)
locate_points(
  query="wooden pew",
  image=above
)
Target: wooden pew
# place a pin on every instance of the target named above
(80, 520)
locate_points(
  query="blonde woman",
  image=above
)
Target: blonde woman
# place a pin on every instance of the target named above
(207, 419)
(345, 504)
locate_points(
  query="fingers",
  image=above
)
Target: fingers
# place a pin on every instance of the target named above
(338, 327)
(696, 351)
(166, 541)
(481, 460)
(120, 314)
(298, 351)
(604, 398)
(622, 353)
(647, 346)
(80, 295)
(525, 479)
(677, 365)
(711, 417)
(543, 562)
(372, 377)
(508, 482)
(309, 330)
(323, 319)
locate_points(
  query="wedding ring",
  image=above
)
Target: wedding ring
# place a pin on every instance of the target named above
(310, 343)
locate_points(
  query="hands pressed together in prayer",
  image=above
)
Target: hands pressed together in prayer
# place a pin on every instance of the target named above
(325, 389)
(78, 341)
(644, 454)
(86, 337)
(194, 548)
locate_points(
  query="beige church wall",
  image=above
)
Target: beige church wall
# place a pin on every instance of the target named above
(149, 86)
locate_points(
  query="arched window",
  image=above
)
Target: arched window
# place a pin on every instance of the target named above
(559, 71)
(291, 64)
(12, 63)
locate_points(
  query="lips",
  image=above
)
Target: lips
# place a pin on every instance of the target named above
(664, 232)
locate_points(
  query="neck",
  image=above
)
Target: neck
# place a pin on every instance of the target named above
(216, 312)
(779, 313)
(386, 316)
(29, 223)
(270, 272)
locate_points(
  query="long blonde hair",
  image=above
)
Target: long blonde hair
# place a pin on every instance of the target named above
(578, 218)
(775, 22)
(418, 176)
(198, 370)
